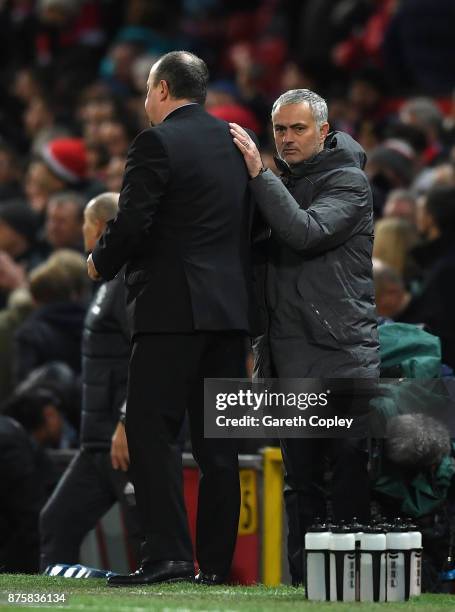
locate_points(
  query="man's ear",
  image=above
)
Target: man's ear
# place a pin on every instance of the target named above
(163, 90)
(324, 131)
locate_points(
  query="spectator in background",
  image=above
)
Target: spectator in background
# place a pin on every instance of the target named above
(97, 161)
(393, 241)
(62, 165)
(442, 174)
(391, 165)
(40, 123)
(53, 331)
(18, 226)
(95, 107)
(436, 226)
(117, 68)
(366, 100)
(37, 410)
(10, 174)
(18, 307)
(400, 204)
(24, 495)
(411, 134)
(40, 184)
(435, 305)
(390, 294)
(113, 177)
(115, 138)
(296, 75)
(64, 220)
(26, 85)
(98, 475)
(18, 250)
(424, 114)
(57, 378)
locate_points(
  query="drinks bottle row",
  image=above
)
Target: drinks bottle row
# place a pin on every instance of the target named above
(353, 562)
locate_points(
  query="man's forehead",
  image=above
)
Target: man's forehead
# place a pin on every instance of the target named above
(293, 113)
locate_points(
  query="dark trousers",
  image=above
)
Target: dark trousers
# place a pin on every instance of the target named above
(166, 378)
(304, 491)
(87, 490)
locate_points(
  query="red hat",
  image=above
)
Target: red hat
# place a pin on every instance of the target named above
(235, 113)
(66, 158)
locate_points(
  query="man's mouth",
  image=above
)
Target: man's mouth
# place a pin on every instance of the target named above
(287, 151)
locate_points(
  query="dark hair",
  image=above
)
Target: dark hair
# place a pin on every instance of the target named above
(412, 134)
(27, 408)
(440, 205)
(63, 197)
(186, 75)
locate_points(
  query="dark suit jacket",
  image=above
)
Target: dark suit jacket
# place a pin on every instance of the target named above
(183, 228)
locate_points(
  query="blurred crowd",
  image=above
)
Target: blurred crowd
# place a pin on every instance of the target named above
(72, 87)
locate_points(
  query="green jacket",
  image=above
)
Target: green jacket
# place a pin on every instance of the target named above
(417, 354)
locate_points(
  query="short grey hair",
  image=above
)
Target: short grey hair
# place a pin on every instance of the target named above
(103, 207)
(318, 105)
(425, 111)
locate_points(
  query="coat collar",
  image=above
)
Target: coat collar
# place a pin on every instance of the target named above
(188, 107)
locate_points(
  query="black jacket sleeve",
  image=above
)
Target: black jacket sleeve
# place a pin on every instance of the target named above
(333, 217)
(146, 177)
(119, 391)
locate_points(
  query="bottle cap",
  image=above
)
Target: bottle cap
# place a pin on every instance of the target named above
(398, 526)
(341, 528)
(355, 526)
(318, 526)
(374, 529)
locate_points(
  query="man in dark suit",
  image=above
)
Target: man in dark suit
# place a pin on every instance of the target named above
(183, 232)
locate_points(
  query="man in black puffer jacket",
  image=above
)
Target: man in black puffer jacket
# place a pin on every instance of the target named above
(319, 296)
(97, 476)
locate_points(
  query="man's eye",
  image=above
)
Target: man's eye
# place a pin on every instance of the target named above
(299, 130)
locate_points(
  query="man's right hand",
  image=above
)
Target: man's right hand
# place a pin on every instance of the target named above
(120, 457)
(248, 148)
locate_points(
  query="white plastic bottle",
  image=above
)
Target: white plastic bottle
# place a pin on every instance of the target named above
(357, 528)
(342, 564)
(398, 544)
(373, 564)
(415, 544)
(317, 562)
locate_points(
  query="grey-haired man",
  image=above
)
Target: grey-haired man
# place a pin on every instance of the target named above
(319, 294)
